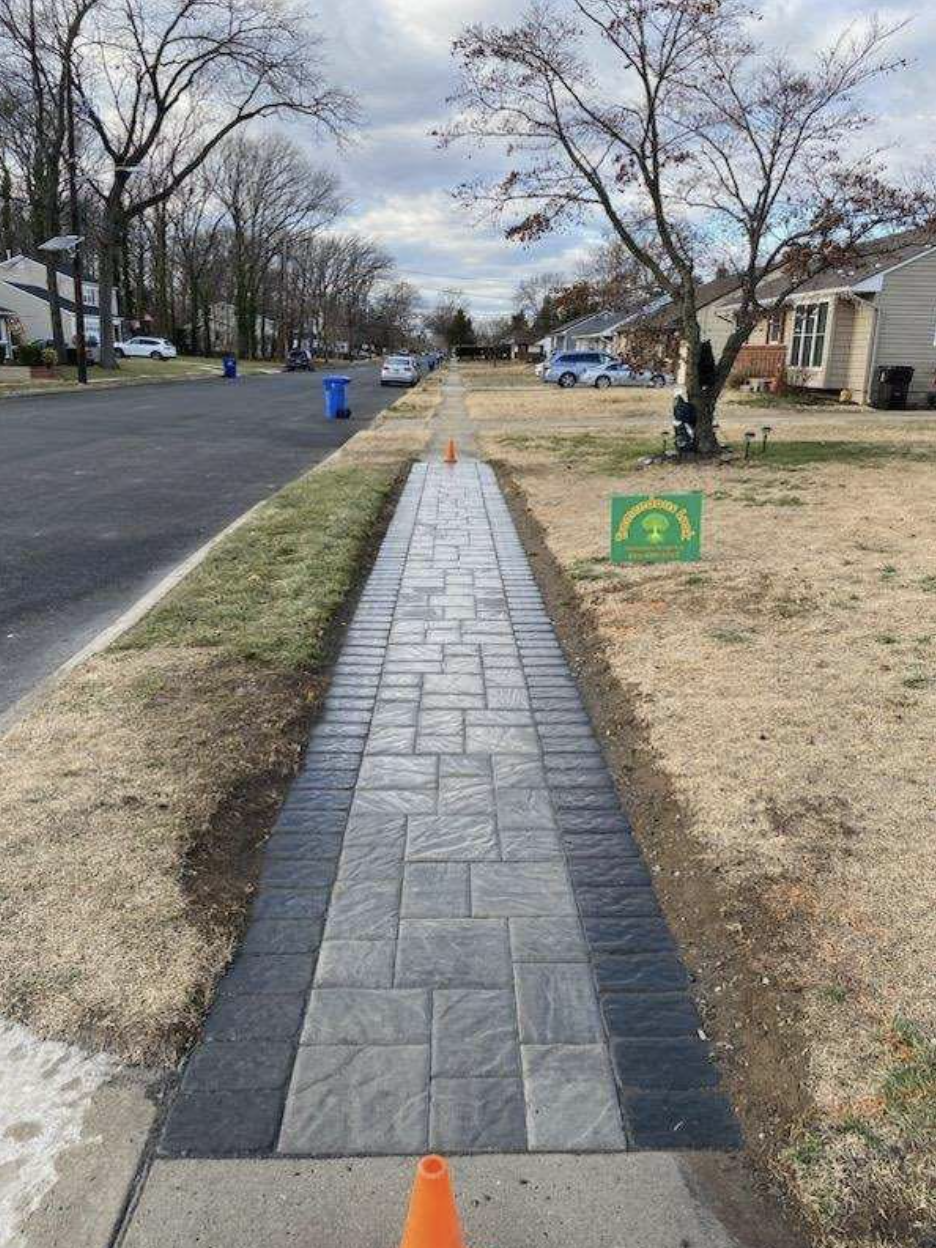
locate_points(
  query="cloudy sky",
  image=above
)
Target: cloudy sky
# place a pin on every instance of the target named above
(395, 57)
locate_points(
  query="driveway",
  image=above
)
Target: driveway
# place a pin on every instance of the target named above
(101, 494)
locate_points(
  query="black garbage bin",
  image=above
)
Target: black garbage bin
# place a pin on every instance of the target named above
(892, 387)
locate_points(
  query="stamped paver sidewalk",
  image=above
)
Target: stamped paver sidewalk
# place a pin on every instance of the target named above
(456, 945)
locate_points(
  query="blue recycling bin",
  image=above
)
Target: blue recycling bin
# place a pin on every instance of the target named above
(229, 364)
(336, 397)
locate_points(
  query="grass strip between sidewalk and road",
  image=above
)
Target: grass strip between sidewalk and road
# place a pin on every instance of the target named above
(134, 798)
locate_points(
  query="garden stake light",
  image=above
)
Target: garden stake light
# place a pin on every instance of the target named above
(765, 430)
(749, 437)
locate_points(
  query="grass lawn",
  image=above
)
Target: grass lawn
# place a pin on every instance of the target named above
(137, 371)
(135, 798)
(772, 712)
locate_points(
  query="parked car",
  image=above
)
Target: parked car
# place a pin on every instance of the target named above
(399, 370)
(143, 348)
(299, 360)
(618, 374)
(566, 368)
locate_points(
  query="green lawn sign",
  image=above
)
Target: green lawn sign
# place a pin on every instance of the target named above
(656, 528)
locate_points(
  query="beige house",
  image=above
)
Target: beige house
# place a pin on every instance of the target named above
(844, 325)
(663, 320)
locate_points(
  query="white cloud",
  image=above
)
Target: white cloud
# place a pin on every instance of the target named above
(394, 56)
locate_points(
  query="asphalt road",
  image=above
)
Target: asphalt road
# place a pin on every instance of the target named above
(101, 494)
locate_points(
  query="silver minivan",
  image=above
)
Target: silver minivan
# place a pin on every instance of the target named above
(567, 367)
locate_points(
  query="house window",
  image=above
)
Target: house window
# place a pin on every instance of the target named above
(775, 324)
(809, 335)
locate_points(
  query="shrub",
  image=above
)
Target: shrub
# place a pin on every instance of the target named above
(28, 353)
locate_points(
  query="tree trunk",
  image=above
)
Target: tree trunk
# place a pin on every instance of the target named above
(110, 259)
(55, 313)
(161, 267)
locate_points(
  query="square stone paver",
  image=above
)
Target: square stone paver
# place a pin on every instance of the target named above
(556, 1003)
(474, 1034)
(363, 910)
(453, 953)
(459, 838)
(477, 1116)
(530, 845)
(520, 888)
(572, 1103)
(355, 964)
(394, 801)
(558, 939)
(367, 1016)
(395, 771)
(500, 739)
(358, 1100)
(435, 890)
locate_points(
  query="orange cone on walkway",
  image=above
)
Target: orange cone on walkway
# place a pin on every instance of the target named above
(450, 456)
(432, 1221)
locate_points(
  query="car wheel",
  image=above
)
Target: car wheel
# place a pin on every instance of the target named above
(120, 355)
(568, 380)
(658, 380)
(603, 383)
(157, 355)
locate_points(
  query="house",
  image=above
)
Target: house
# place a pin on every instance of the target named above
(8, 324)
(598, 332)
(24, 292)
(656, 328)
(562, 338)
(519, 345)
(219, 326)
(846, 323)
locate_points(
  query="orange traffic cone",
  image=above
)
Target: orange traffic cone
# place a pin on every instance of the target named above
(432, 1221)
(450, 456)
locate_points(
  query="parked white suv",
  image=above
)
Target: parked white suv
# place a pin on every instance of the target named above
(151, 348)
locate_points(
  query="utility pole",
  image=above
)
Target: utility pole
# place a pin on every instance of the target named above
(75, 213)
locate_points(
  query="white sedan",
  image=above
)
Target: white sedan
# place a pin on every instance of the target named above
(399, 370)
(623, 375)
(145, 348)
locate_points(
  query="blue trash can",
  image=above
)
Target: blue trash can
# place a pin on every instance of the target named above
(229, 364)
(336, 397)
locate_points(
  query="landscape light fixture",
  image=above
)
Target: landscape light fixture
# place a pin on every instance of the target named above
(765, 430)
(665, 437)
(749, 437)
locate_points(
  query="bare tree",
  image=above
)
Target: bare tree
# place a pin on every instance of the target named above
(38, 39)
(164, 82)
(270, 191)
(667, 119)
(391, 318)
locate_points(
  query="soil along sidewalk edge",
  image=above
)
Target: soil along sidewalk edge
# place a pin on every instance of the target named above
(135, 795)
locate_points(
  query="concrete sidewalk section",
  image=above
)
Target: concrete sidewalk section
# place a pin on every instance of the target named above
(646, 1200)
(456, 945)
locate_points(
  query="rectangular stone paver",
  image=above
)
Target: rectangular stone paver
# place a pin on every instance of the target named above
(455, 943)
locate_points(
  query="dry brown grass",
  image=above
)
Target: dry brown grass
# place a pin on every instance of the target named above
(108, 794)
(788, 686)
(135, 796)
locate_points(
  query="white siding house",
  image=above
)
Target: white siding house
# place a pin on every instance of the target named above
(24, 293)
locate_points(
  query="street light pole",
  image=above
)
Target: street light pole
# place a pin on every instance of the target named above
(75, 213)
